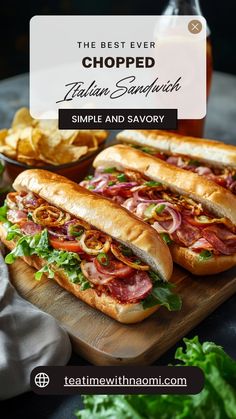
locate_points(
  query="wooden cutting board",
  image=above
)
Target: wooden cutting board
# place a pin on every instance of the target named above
(104, 341)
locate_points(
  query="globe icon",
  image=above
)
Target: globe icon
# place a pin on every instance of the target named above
(41, 379)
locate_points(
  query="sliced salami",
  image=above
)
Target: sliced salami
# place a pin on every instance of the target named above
(221, 239)
(14, 216)
(30, 228)
(187, 234)
(132, 289)
(93, 275)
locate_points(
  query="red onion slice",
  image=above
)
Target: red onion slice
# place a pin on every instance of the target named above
(123, 185)
(60, 235)
(139, 198)
(176, 222)
(100, 186)
(130, 204)
(202, 170)
(141, 208)
(233, 187)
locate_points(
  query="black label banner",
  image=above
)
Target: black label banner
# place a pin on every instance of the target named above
(117, 380)
(117, 119)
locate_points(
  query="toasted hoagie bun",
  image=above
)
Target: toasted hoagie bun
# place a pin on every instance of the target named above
(107, 217)
(190, 261)
(213, 152)
(213, 198)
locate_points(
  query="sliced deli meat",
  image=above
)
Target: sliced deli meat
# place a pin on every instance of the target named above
(30, 228)
(221, 175)
(115, 268)
(90, 272)
(132, 289)
(187, 234)
(184, 220)
(221, 239)
(90, 246)
(202, 244)
(103, 262)
(15, 216)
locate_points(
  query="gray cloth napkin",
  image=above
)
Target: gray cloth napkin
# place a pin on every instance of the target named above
(28, 338)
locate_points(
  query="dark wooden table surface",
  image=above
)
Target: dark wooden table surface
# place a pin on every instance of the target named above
(219, 327)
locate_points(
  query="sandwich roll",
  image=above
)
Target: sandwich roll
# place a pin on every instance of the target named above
(210, 151)
(92, 247)
(211, 159)
(124, 313)
(213, 197)
(196, 217)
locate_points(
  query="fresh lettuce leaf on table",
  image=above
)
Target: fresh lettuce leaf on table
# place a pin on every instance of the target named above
(216, 401)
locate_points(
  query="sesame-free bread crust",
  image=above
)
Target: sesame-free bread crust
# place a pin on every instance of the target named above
(213, 152)
(213, 197)
(191, 261)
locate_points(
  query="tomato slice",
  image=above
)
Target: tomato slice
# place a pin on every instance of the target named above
(220, 181)
(159, 156)
(115, 268)
(69, 246)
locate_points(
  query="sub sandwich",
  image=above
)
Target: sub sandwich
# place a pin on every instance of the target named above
(194, 216)
(212, 159)
(91, 246)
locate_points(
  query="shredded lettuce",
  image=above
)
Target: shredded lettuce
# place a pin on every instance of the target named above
(217, 400)
(39, 245)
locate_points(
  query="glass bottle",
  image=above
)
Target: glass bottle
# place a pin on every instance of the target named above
(192, 127)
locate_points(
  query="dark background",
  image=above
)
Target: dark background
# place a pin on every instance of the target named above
(15, 16)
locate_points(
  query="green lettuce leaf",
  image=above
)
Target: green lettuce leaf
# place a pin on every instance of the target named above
(12, 230)
(162, 294)
(217, 400)
(39, 245)
(3, 213)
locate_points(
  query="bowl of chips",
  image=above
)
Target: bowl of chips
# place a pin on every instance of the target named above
(32, 143)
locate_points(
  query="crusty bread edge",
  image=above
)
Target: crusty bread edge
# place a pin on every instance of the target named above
(190, 260)
(214, 197)
(123, 313)
(215, 153)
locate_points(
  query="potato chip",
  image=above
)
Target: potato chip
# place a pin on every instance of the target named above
(4, 147)
(47, 145)
(100, 135)
(39, 142)
(8, 151)
(63, 154)
(69, 153)
(3, 134)
(30, 162)
(22, 118)
(28, 143)
(85, 138)
(12, 139)
(92, 138)
(48, 125)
